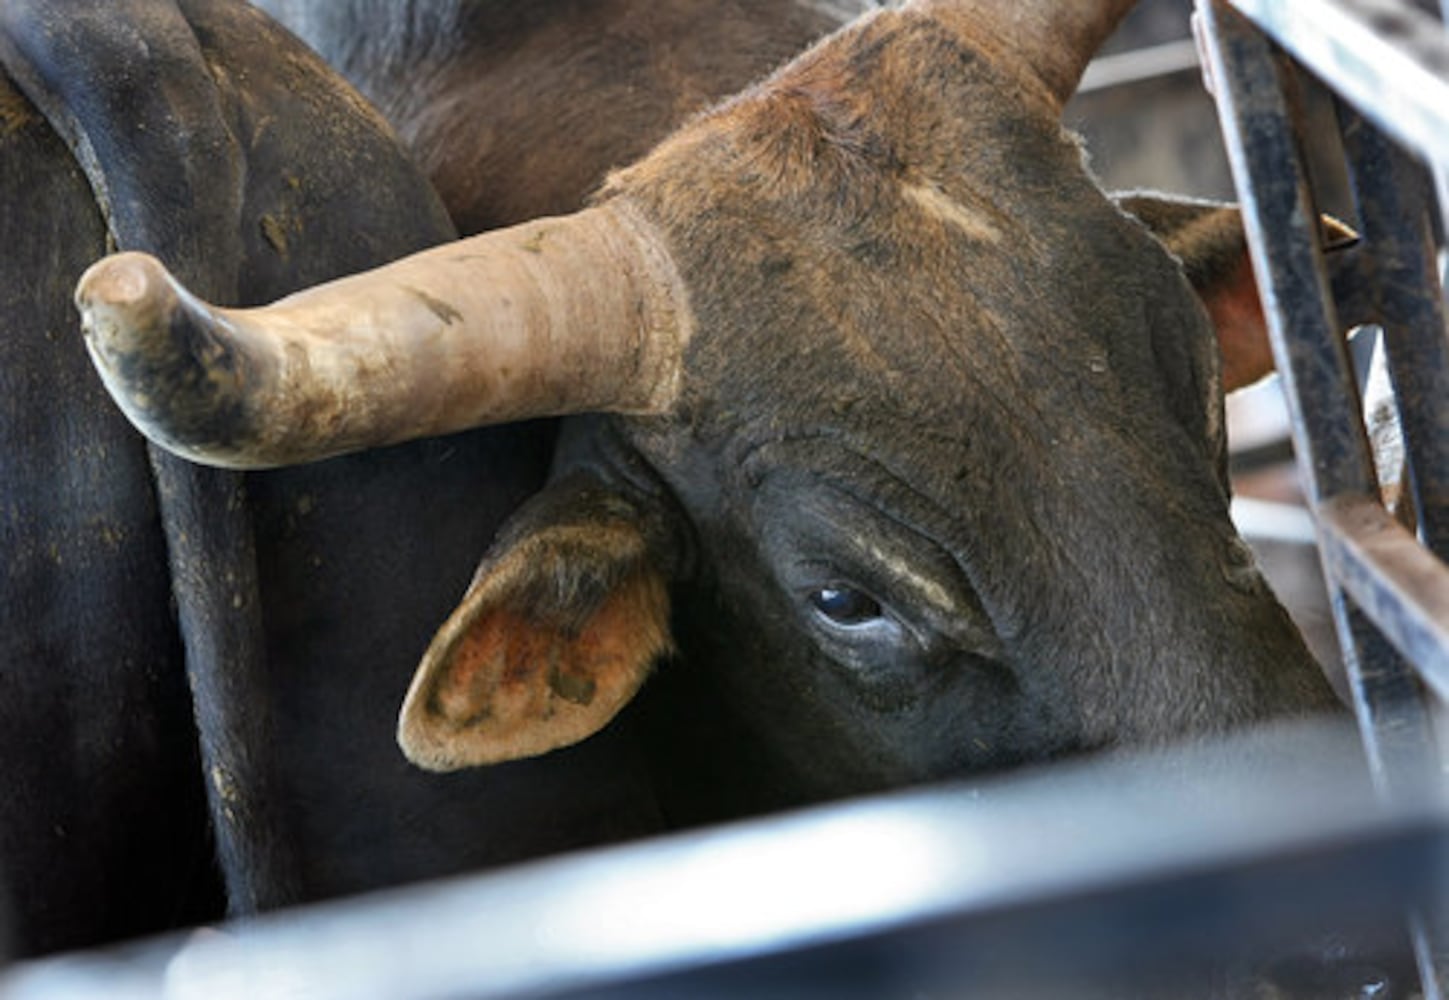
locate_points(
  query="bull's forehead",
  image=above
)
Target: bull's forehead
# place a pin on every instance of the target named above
(892, 226)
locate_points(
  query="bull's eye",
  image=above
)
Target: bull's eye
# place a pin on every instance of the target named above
(845, 606)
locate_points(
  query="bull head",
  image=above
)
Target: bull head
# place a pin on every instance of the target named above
(921, 431)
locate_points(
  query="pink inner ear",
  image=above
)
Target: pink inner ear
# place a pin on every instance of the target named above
(490, 674)
(500, 685)
(1237, 314)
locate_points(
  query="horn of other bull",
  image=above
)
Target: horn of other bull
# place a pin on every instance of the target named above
(1051, 39)
(578, 313)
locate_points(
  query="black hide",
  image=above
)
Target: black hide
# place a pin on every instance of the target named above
(103, 832)
(304, 596)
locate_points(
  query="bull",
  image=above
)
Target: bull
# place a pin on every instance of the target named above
(204, 133)
(106, 835)
(887, 428)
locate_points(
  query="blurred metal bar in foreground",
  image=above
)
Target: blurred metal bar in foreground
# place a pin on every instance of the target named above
(1173, 869)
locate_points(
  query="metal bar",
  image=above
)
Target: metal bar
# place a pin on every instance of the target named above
(1320, 388)
(1440, 171)
(1396, 581)
(1397, 731)
(1394, 204)
(1321, 395)
(1282, 226)
(1385, 56)
(1371, 571)
(1061, 878)
(1152, 62)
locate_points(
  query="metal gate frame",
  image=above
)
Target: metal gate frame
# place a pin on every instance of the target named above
(1385, 65)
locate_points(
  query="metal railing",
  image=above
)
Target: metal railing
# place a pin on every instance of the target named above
(1385, 67)
(1182, 873)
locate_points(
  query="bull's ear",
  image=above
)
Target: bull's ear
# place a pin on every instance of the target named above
(1208, 238)
(559, 629)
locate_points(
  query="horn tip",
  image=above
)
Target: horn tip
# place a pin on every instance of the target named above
(123, 291)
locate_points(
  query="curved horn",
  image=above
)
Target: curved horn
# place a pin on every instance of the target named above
(582, 312)
(1055, 39)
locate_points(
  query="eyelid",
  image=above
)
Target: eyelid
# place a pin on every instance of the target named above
(930, 608)
(901, 574)
(836, 535)
(927, 609)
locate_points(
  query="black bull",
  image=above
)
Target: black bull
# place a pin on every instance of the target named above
(238, 156)
(323, 535)
(215, 139)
